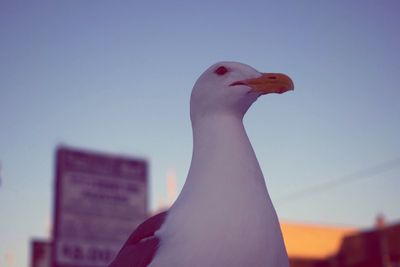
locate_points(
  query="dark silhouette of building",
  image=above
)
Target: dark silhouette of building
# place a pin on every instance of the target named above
(379, 247)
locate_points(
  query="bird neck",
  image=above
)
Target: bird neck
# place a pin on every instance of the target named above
(224, 206)
(222, 152)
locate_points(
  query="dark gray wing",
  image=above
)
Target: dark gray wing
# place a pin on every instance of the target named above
(141, 246)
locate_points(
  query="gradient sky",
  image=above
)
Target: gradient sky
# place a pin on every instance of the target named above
(116, 76)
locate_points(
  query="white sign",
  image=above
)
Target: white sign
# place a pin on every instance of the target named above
(99, 201)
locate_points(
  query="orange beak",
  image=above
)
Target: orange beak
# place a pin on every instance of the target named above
(269, 83)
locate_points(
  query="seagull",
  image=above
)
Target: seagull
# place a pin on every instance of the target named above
(224, 215)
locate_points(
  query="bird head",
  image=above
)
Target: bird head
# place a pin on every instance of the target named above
(230, 88)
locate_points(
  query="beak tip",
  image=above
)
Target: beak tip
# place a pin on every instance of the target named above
(270, 83)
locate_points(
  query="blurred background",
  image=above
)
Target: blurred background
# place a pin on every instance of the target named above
(116, 77)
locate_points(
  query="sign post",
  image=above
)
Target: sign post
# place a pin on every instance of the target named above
(99, 200)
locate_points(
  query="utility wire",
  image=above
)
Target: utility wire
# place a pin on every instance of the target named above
(355, 176)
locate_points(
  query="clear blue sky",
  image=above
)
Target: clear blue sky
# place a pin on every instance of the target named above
(116, 76)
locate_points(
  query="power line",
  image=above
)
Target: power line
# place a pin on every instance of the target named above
(358, 175)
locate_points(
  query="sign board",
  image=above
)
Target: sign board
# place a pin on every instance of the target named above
(99, 201)
(40, 253)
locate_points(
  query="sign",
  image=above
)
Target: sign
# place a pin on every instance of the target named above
(99, 201)
(40, 253)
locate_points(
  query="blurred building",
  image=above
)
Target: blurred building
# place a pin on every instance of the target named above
(311, 241)
(40, 253)
(328, 246)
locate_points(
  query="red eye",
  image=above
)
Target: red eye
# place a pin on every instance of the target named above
(221, 70)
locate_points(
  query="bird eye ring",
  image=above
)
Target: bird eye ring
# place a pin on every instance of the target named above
(221, 70)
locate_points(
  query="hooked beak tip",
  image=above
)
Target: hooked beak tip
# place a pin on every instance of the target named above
(269, 83)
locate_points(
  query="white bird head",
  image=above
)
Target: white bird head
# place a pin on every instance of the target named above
(229, 88)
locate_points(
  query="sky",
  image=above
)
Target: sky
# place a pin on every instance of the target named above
(116, 76)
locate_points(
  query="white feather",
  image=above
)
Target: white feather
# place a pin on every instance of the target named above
(224, 215)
